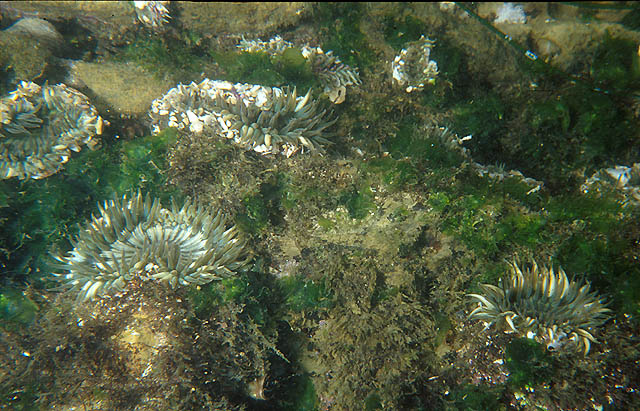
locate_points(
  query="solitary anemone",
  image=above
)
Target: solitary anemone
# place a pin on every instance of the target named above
(543, 305)
(334, 75)
(40, 126)
(284, 121)
(136, 237)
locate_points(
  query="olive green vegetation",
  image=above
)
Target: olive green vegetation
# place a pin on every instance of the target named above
(528, 362)
(180, 58)
(372, 343)
(566, 126)
(569, 124)
(340, 27)
(40, 213)
(290, 68)
(592, 236)
(185, 56)
(305, 398)
(359, 202)
(632, 19)
(302, 294)
(398, 33)
(16, 308)
(470, 397)
(452, 84)
(229, 347)
(123, 166)
(264, 207)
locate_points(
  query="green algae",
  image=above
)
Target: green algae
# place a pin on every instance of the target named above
(296, 69)
(303, 396)
(245, 67)
(265, 207)
(300, 294)
(52, 208)
(616, 65)
(471, 397)
(16, 308)
(396, 174)
(166, 56)
(340, 25)
(483, 117)
(258, 67)
(486, 220)
(256, 217)
(359, 202)
(528, 362)
(398, 32)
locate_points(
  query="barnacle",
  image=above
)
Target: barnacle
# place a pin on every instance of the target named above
(40, 126)
(136, 237)
(542, 304)
(264, 119)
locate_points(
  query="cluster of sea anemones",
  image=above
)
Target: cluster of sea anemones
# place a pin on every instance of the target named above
(40, 126)
(541, 303)
(264, 119)
(136, 237)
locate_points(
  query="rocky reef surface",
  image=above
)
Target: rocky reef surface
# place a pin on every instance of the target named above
(400, 185)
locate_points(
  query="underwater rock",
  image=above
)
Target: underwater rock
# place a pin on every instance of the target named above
(145, 348)
(105, 21)
(40, 126)
(542, 304)
(413, 68)
(263, 119)
(137, 238)
(27, 46)
(118, 85)
(40, 30)
(214, 19)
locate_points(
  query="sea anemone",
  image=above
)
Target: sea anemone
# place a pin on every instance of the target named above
(334, 75)
(40, 126)
(263, 119)
(136, 237)
(284, 121)
(152, 14)
(543, 305)
(413, 68)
